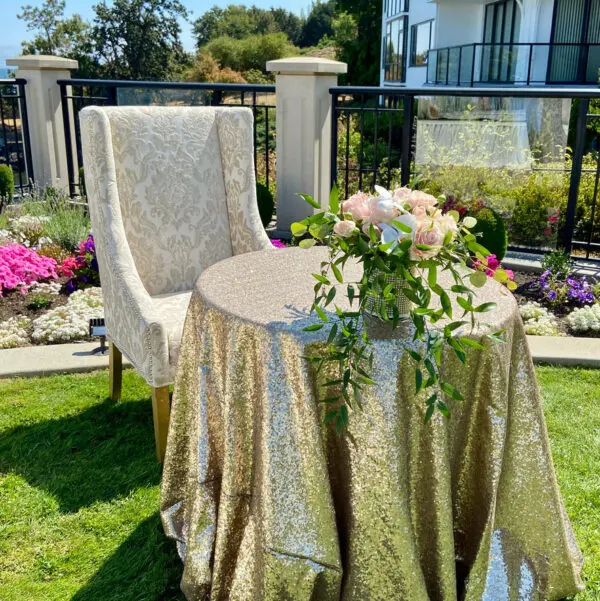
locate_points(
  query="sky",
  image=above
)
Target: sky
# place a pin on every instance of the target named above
(13, 30)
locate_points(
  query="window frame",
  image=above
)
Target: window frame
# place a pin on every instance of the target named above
(413, 43)
(394, 67)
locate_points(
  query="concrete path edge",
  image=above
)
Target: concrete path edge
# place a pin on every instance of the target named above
(32, 361)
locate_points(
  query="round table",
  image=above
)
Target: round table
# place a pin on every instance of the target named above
(267, 503)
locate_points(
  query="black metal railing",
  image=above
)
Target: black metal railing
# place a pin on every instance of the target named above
(79, 93)
(15, 148)
(514, 63)
(379, 136)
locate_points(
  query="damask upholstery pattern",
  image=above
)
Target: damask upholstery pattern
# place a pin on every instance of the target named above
(171, 191)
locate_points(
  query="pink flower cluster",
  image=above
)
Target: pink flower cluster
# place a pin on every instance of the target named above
(490, 266)
(413, 208)
(21, 266)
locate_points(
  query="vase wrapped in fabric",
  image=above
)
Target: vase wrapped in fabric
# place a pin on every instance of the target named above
(375, 303)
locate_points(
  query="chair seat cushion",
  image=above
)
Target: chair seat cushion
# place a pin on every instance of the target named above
(172, 308)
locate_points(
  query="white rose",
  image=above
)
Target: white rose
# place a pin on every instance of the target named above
(345, 228)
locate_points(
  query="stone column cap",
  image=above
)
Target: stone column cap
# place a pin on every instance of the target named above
(307, 65)
(42, 61)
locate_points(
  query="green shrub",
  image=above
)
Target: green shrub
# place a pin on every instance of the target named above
(38, 301)
(493, 234)
(7, 186)
(559, 263)
(266, 204)
(67, 226)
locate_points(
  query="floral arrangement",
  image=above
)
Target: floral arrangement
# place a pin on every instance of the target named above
(82, 269)
(71, 321)
(585, 319)
(20, 267)
(404, 241)
(538, 321)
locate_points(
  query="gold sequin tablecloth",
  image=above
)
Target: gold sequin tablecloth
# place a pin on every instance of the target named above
(268, 504)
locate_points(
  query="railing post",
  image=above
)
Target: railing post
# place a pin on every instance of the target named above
(25, 133)
(64, 101)
(304, 113)
(46, 126)
(334, 139)
(407, 136)
(578, 150)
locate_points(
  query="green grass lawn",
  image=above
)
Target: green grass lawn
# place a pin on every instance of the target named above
(79, 487)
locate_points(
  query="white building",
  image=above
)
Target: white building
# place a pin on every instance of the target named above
(474, 42)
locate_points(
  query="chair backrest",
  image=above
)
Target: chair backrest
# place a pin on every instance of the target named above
(174, 169)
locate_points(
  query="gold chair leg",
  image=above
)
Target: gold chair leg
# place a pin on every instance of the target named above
(115, 372)
(161, 411)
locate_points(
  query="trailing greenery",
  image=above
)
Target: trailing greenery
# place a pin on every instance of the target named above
(491, 232)
(7, 186)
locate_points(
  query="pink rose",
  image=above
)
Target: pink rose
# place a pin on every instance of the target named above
(547, 232)
(345, 228)
(357, 205)
(428, 233)
(402, 194)
(421, 199)
(446, 224)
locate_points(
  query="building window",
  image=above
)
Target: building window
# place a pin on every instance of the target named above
(395, 50)
(395, 7)
(421, 36)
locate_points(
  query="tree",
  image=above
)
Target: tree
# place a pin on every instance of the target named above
(318, 23)
(59, 36)
(363, 53)
(45, 20)
(249, 53)
(239, 22)
(139, 39)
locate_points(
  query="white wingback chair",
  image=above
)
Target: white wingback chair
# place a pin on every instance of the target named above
(171, 191)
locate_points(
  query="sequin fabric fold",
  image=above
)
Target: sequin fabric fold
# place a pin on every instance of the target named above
(266, 503)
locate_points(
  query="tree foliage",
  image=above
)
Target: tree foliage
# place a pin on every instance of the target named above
(138, 39)
(252, 52)
(239, 22)
(319, 23)
(363, 52)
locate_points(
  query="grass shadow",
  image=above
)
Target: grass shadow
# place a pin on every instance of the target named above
(145, 567)
(100, 454)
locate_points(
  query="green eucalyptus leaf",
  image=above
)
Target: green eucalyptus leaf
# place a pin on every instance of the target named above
(418, 379)
(485, 307)
(298, 229)
(322, 316)
(321, 278)
(334, 200)
(337, 273)
(307, 243)
(478, 279)
(313, 328)
(310, 200)
(451, 391)
(472, 343)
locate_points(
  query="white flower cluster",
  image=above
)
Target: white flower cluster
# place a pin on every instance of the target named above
(14, 332)
(49, 288)
(6, 237)
(27, 230)
(71, 321)
(586, 319)
(538, 320)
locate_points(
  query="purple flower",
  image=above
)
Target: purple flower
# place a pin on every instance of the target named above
(572, 293)
(551, 295)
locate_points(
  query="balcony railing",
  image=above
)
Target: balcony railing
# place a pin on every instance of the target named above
(519, 63)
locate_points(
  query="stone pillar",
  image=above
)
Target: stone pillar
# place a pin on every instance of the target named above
(303, 134)
(46, 130)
